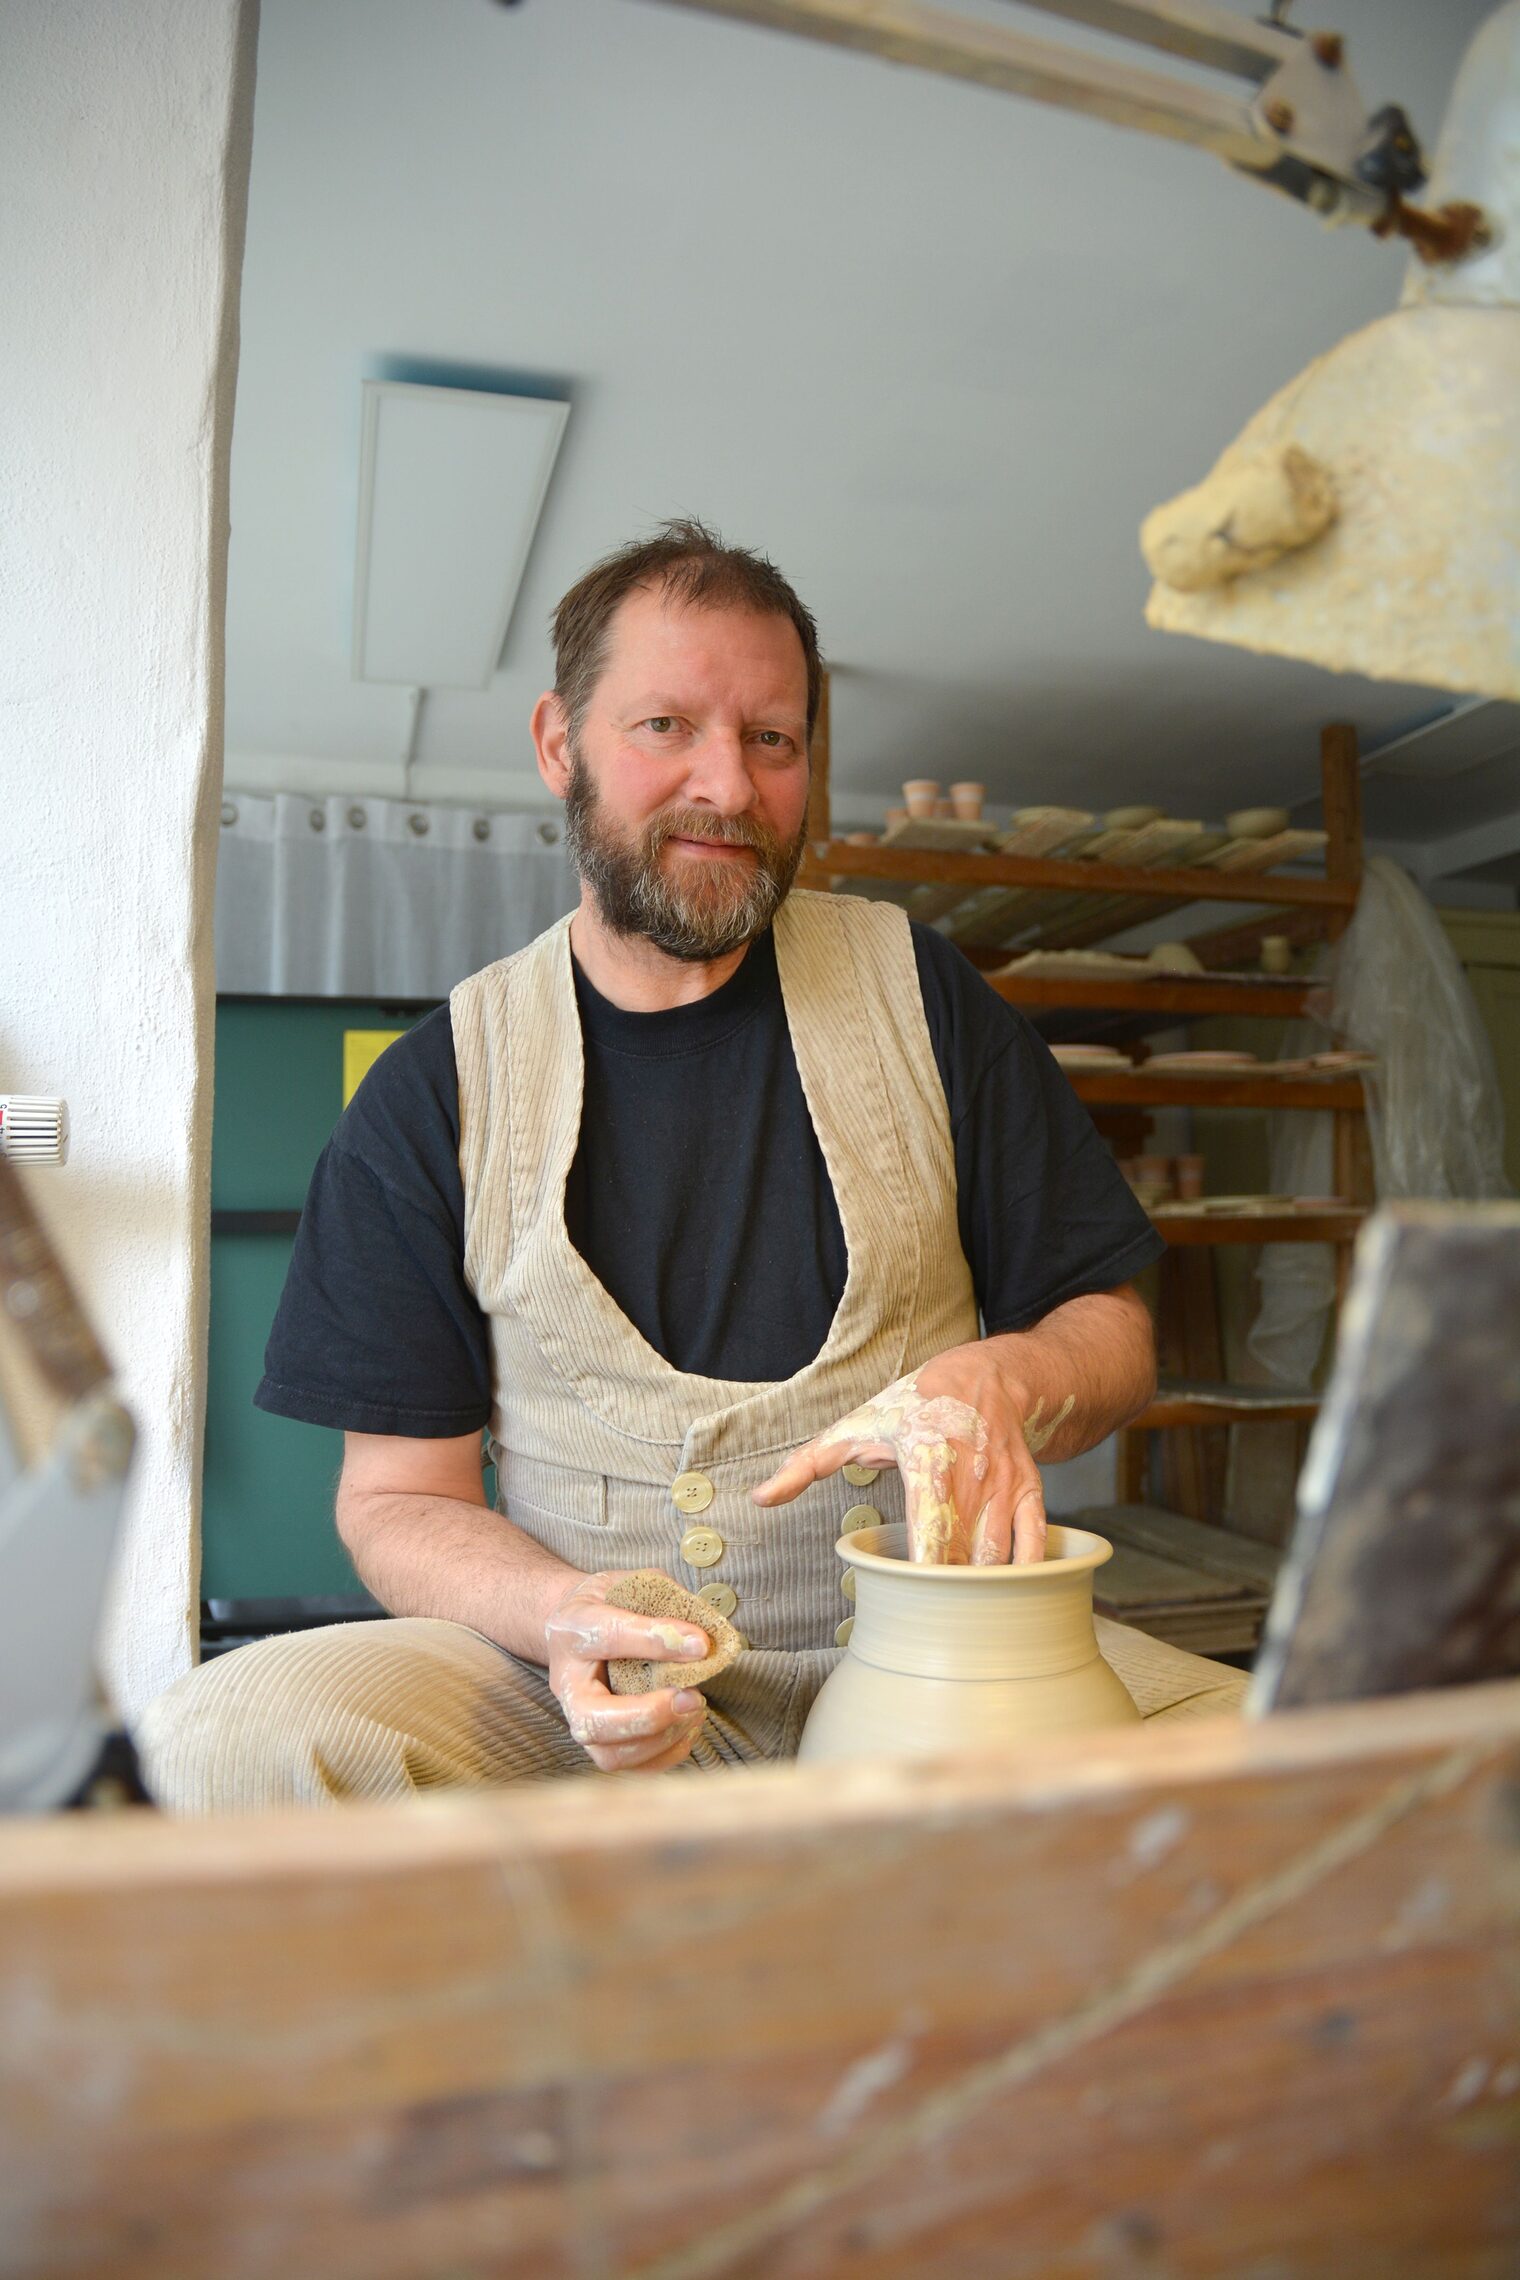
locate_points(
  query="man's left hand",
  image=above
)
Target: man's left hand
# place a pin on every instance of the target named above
(956, 1430)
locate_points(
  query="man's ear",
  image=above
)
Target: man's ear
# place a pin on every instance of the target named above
(551, 742)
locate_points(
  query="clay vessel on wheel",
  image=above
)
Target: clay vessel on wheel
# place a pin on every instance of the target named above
(965, 1658)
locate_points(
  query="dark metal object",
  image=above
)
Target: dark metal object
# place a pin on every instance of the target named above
(255, 1222)
(1450, 233)
(303, 1612)
(227, 1624)
(1391, 159)
(1404, 1569)
(114, 1780)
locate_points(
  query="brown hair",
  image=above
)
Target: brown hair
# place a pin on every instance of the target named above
(693, 565)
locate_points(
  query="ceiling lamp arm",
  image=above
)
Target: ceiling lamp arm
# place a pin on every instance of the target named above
(1245, 46)
(1302, 129)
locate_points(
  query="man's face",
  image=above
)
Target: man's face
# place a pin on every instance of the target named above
(686, 804)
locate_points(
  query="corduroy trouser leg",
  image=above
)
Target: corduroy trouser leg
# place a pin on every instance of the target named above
(385, 1709)
(380, 1709)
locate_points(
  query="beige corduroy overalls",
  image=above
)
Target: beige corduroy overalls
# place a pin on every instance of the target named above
(607, 1455)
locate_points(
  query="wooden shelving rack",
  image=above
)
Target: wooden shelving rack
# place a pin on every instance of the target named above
(1307, 909)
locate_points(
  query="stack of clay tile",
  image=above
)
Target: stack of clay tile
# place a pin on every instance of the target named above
(1139, 838)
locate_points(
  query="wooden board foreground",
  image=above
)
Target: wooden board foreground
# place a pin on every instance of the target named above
(1208, 1999)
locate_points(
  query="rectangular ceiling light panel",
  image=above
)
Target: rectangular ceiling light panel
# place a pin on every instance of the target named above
(451, 485)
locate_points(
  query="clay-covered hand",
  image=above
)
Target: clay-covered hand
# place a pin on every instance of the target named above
(621, 1733)
(959, 1435)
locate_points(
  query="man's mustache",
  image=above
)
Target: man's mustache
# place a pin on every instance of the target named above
(721, 830)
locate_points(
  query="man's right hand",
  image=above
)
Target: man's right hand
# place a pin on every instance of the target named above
(621, 1733)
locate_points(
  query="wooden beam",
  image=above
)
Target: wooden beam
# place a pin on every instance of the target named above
(1121, 1089)
(1433, 860)
(933, 867)
(1193, 994)
(1204, 1998)
(1208, 1230)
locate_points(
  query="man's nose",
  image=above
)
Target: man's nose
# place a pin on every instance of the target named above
(718, 773)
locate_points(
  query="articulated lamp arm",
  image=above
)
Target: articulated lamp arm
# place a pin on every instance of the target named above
(1302, 129)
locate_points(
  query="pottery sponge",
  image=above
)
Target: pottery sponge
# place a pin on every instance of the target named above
(647, 1592)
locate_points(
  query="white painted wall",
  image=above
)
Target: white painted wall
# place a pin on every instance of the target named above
(124, 135)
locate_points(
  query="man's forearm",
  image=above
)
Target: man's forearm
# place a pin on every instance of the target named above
(437, 1555)
(1086, 1369)
(1096, 1353)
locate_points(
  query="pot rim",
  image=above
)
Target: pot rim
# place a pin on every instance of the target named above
(862, 1550)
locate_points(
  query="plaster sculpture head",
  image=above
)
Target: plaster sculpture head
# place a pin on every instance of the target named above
(1368, 517)
(687, 686)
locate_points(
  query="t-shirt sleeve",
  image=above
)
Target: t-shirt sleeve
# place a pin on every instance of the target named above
(377, 1330)
(1045, 1214)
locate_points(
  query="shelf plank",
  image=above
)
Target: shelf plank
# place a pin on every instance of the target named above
(835, 858)
(1259, 1227)
(1195, 994)
(1238, 1560)
(1119, 1089)
(1137, 1583)
(1244, 1405)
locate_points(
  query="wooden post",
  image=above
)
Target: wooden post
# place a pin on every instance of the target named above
(1194, 1458)
(819, 816)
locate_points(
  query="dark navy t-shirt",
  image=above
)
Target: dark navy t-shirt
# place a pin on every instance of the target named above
(698, 1196)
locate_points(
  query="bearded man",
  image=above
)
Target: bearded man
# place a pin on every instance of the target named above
(711, 1209)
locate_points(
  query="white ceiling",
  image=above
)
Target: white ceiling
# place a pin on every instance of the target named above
(935, 350)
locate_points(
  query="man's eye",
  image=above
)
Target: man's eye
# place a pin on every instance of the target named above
(772, 737)
(661, 724)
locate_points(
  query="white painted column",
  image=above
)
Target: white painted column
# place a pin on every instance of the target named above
(124, 134)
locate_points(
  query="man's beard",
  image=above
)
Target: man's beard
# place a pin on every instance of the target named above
(707, 909)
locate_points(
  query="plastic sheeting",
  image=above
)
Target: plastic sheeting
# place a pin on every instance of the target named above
(1434, 1112)
(1397, 989)
(377, 898)
(1297, 1280)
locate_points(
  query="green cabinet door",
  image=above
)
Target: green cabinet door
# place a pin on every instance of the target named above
(267, 1515)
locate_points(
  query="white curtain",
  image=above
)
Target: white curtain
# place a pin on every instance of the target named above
(346, 897)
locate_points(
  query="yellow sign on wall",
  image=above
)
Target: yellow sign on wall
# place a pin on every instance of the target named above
(362, 1048)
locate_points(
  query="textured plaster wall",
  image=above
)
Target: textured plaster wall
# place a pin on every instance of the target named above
(124, 134)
